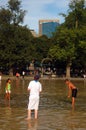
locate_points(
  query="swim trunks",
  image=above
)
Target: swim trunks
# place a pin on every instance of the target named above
(74, 92)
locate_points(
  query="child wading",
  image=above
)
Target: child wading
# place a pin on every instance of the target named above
(72, 88)
(8, 89)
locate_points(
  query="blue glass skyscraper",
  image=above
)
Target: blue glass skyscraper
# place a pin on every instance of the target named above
(47, 27)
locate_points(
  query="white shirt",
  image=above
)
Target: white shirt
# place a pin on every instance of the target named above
(35, 88)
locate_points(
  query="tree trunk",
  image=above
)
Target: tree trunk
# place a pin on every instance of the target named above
(68, 70)
(76, 24)
(11, 72)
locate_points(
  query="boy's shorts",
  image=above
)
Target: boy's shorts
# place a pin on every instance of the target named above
(74, 93)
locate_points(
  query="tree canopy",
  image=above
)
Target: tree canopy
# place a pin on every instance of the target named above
(70, 37)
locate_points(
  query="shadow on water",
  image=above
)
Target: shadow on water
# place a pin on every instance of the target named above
(55, 111)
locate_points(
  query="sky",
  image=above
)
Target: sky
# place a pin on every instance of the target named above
(41, 9)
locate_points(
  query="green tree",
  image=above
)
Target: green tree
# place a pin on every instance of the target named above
(77, 14)
(18, 14)
(81, 49)
(68, 37)
(64, 48)
(14, 39)
(41, 46)
(5, 17)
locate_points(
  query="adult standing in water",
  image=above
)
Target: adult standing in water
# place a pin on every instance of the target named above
(34, 88)
(72, 88)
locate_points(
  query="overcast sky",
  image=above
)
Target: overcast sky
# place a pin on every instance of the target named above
(41, 9)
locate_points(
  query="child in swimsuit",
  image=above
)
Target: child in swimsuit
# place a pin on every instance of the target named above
(72, 88)
(8, 89)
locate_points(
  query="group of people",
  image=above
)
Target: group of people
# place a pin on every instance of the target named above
(35, 88)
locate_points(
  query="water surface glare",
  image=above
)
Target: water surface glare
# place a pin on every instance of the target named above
(55, 112)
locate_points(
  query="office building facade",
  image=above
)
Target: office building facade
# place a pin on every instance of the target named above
(47, 27)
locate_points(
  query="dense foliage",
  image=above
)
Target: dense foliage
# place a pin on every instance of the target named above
(17, 45)
(70, 38)
(67, 47)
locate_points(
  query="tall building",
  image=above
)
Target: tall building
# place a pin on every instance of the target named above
(47, 27)
(34, 33)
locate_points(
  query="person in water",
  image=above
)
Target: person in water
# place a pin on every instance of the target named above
(8, 89)
(34, 88)
(73, 88)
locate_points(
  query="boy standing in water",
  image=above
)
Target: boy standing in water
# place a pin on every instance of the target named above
(72, 88)
(8, 89)
(34, 88)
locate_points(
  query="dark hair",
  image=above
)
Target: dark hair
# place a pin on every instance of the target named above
(36, 77)
(66, 80)
(8, 79)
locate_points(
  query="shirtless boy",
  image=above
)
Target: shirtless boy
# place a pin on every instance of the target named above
(72, 88)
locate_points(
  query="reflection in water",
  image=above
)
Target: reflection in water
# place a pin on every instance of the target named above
(5, 119)
(0, 84)
(23, 83)
(17, 82)
(84, 82)
(32, 124)
(7, 103)
(7, 113)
